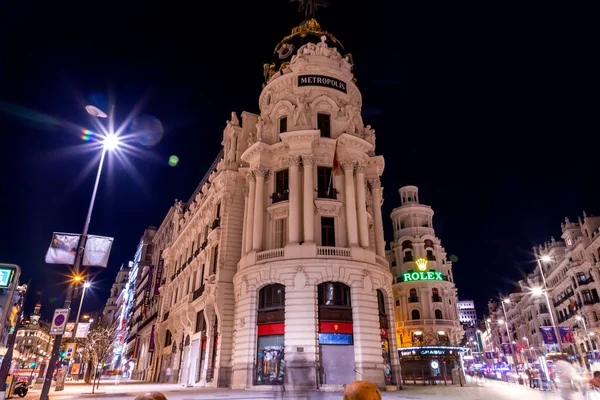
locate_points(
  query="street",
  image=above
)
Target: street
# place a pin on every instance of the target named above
(483, 390)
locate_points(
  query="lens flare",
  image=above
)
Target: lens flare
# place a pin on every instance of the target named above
(173, 161)
(87, 135)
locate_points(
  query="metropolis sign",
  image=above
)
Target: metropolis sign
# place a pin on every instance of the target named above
(422, 276)
(320, 80)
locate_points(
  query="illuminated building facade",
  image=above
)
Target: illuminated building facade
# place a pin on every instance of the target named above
(276, 274)
(426, 309)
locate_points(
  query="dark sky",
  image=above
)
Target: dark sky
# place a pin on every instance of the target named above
(490, 109)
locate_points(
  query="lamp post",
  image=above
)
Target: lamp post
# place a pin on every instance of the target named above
(540, 291)
(582, 319)
(109, 142)
(507, 301)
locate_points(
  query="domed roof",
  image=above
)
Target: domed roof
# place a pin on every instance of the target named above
(309, 31)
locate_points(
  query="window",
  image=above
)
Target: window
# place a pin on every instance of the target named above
(380, 302)
(415, 314)
(324, 124)
(438, 314)
(412, 297)
(282, 124)
(327, 232)
(279, 233)
(325, 189)
(168, 338)
(215, 260)
(435, 295)
(200, 321)
(271, 296)
(408, 256)
(218, 213)
(281, 186)
(334, 294)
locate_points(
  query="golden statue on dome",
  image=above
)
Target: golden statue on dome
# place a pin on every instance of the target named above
(309, 6)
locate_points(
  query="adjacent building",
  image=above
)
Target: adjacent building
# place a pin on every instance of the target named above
(140, 318)
(570, 269)
(110, 313)
(426, 313)
(33, 343)
(276, 271)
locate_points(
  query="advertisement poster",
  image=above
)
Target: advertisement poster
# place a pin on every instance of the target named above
(63, 248)
(548, 335)
(97, 250)
(566, 334)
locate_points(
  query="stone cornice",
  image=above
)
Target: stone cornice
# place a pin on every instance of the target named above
(254, 150)
(354, 142)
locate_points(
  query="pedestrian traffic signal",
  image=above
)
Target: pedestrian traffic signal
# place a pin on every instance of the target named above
(62, 354)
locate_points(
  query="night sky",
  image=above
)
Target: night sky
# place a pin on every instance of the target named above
(490, 110)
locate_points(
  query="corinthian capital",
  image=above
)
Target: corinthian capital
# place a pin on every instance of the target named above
(308, 160)
(347, 164)
(294, 161)
(261, 171)
(360, 167)
(375, 183)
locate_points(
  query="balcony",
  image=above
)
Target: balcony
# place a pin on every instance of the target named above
(166, 316)
(328, 251)
(413, 299)
(280, 196)
(436, 298)
(325, 193)
(425, 322)
(269, 254)
(216, 223)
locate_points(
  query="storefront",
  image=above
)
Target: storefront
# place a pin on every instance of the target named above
(429, 363)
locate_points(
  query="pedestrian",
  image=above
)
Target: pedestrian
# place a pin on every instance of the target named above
(169, 373)
(528, 373)
(152, 396)
(535, 376)
(593, 392)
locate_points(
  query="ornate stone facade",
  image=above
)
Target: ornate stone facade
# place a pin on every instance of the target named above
(277, 265)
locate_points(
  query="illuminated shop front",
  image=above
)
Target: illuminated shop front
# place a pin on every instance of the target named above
(429, 362)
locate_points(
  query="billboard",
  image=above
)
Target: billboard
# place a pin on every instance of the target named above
(63, 248)
(83, 328)
(6, 276)
(97, 250)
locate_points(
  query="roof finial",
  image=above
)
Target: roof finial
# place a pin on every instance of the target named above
(310, 6)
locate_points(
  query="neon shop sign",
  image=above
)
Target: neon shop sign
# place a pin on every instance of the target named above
(422, 276)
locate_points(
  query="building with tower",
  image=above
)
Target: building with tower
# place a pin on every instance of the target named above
(112, 304)
(426, 312)
(276, 274)
(33, 343)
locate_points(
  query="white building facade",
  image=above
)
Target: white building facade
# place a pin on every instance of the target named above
(426, 310)
(277, 272)
(110, 313)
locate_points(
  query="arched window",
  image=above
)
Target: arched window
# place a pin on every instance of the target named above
(438, 314)
(412, 296)
(435, 295)
(271, 297)
(380, 302)
(407, 251)
(334, 294)
(429, 250)
(168, 338)
(415, 314)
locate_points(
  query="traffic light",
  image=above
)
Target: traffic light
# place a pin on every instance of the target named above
(63, 354)
(33, 364)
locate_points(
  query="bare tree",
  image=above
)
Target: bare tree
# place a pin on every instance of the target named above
(99, 344)
(456, 336)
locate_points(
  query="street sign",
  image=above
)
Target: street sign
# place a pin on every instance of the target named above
(70, 351)
(59, 321)
(6, 275)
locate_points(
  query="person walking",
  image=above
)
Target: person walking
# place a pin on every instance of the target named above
(528, 373)
(593, 392)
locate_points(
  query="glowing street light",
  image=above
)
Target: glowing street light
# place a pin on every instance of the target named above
(111, 142)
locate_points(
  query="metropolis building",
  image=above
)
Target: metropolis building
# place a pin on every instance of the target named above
(276, 274)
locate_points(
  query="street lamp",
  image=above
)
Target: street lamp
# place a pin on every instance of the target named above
(589, 334)
(507, 301)
(110, 142)
(536, 291)
(85, 286)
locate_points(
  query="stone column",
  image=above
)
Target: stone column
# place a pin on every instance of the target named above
(309, 218)
(259, 208)
(294, 212)
(245, 225)
(361, 206)
(352, 228)
(250, 211)
(377, 220)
